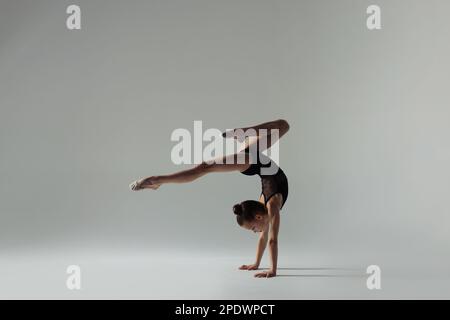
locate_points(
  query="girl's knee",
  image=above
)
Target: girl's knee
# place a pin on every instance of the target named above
(205, 167)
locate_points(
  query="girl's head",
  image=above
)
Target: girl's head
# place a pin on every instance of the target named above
(251, 215)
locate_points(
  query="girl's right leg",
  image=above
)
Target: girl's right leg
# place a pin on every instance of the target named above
(281, 125)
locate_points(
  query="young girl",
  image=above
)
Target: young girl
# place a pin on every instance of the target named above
(261, 216)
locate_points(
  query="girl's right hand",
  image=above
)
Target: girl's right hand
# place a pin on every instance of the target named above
(249, 267)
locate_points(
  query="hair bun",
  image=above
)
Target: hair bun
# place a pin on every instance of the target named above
(237, 209)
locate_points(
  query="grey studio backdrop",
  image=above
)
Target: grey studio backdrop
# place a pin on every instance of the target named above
(86, 112)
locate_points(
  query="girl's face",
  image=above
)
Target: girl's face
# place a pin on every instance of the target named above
(258, 224)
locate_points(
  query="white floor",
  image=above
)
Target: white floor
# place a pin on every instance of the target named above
(117, 274)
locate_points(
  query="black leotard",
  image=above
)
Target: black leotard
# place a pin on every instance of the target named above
(271, 184)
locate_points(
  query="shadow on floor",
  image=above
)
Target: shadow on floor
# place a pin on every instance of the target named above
(323, 275)
(322, 268)
(343, 272)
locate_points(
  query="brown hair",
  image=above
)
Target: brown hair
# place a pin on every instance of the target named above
(246, 210)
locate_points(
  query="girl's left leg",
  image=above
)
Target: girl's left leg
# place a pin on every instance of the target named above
(227, 164)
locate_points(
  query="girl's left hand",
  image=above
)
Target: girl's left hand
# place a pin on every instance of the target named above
(266, 274)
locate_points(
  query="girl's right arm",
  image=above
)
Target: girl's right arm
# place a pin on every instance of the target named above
(262, 243)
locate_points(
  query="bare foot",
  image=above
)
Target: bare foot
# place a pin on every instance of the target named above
(253, 266)
(147, 183)
(240, 134)
(228, 134)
